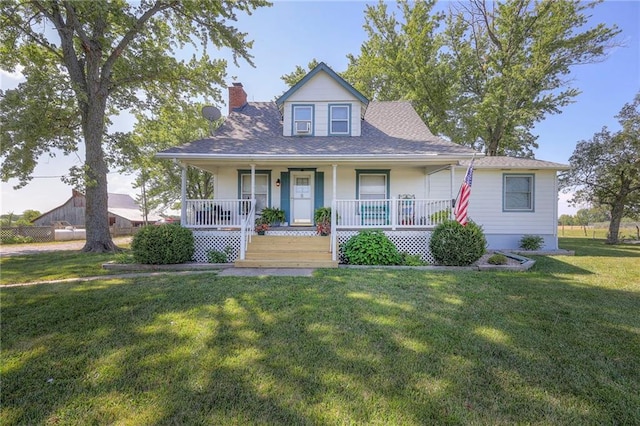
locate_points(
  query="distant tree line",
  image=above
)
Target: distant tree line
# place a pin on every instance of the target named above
(594, 216)
(12, 219)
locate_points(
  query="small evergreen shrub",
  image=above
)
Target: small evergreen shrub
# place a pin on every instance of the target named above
(497, 259)
(163, 245)
(370, 247)
(452, 244)
(531, 242)
(215, 256)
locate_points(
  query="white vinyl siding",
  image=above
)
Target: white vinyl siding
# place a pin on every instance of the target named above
(322, 91)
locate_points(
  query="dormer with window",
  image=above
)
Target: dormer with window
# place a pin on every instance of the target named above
(322, 104)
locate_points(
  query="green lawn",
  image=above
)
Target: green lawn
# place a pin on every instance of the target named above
(52, 266)
(559, 344)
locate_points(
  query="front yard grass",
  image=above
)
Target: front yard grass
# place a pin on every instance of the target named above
(53, 265)
(559, 344)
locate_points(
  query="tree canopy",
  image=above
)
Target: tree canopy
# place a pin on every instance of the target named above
(169, 125)
(605, 170)
(492, 73)
(86, 61)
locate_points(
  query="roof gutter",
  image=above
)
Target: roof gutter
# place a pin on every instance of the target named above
(337, 158)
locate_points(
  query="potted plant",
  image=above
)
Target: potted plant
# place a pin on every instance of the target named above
(322, 217)
(322, 214)
(262, 226)
(323, 228)
(273, 215)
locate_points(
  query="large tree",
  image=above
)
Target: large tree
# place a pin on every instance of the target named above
(167, 126)
(496, 70)
(401, 59)
(84, 61)
(605, 170)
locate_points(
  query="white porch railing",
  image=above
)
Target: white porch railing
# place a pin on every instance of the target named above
(216, 213)
(246, 230)
(390, 213)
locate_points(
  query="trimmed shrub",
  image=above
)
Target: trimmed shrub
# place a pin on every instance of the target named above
(497, 259)
(452, 244)
(163, 245)
(370, 247)
(531, 242)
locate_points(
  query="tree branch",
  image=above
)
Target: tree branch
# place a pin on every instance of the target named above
(72, 18)
(69, 55)
(135, 30)
(26, 29)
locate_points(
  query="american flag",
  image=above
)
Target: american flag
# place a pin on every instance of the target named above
(460, 210)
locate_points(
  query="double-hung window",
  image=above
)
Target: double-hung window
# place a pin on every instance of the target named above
(262, 189)
(518, 192)
(339, 119)
(372, 184)
(372, 189)
(302, 119)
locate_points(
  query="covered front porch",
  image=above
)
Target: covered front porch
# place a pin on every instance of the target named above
(221, 223)
(407, 218)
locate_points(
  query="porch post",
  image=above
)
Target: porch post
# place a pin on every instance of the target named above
(335, 181)
(334, 214)
(183, 196)
(253, 181)
(453, 179)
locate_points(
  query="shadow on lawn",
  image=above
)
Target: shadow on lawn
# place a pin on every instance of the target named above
(598, 248)
(365, 346)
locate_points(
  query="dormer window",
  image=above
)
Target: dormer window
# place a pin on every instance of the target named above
(339, 119)
(303, 120)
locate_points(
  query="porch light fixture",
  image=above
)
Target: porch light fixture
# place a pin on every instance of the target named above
(278, 183)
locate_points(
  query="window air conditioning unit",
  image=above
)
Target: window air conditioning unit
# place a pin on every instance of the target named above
(303, 127)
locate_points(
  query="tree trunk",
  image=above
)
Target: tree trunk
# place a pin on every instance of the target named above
(96, 214)
(614, 226)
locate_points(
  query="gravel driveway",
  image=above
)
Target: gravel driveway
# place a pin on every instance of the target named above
(31, 248)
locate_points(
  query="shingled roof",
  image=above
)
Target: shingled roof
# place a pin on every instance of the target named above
(503, 162)
(389, 129)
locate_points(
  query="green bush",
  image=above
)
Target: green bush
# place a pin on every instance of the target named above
(407, 259)
(440, 216)
(215, 256)
(15, 239)
(162, 245)
(531, 242)
(497, 259)
(370, 247)
(452, 244)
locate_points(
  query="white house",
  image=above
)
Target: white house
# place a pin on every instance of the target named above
(322, 143)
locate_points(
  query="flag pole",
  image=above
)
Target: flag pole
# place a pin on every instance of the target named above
(460, 187)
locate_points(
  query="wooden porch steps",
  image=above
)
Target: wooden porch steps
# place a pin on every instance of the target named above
(275, 251)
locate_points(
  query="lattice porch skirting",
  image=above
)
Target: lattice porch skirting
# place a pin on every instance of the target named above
(415, 242)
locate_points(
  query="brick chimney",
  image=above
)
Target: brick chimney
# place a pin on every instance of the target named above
(237, 97)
